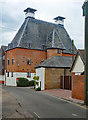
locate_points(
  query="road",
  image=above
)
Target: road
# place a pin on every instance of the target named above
(41, 105)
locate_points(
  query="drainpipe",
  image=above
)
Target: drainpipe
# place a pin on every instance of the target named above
(64, 78)
(85, 13)
(72, 51)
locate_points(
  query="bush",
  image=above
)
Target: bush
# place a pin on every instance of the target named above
(36, 77)
(22, 82)
(38, 89)
(32, 83)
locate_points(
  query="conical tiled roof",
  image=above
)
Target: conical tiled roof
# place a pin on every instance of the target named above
(35, 34)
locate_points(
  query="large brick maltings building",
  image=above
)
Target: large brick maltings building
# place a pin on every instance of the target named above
(35, 42)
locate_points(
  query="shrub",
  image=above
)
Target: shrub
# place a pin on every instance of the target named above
(36, 77)
(22, 82)
(32, 83)
(38, 89)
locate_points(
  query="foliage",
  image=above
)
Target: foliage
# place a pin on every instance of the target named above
(22, 82)
(36, 83)
(36, 77)
(32, 83)
(38, 89)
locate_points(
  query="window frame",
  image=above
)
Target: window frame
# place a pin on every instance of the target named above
(28, 61)
(12, 61)
(8, 74)
(8, 62)
(28, 74)
(58, 51)
(12, 74)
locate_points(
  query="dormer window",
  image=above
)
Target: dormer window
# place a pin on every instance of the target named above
(58, 51)
(43, 47)
(29, 45)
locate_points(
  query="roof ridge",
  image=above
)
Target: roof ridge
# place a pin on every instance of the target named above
(23, 31)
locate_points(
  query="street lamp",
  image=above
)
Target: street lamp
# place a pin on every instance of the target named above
(85, 13)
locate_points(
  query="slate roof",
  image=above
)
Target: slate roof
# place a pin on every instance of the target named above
(56, 62)
(37, 33)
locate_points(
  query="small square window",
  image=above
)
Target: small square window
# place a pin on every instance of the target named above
(28, 61)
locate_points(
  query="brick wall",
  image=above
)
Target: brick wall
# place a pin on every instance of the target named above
(52, 52)
(52, 77)
(78, 86)
(20, 56)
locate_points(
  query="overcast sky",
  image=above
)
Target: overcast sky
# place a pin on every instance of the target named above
(12, 17)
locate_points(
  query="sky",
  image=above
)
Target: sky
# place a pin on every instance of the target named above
(12, 17)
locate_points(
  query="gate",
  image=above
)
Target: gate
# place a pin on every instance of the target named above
(66, 82)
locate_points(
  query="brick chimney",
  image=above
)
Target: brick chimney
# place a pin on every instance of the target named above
(30, 12)
(59, 20)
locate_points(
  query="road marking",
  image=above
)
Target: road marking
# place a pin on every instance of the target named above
(36, 114)
(74, 114)
(66, 101)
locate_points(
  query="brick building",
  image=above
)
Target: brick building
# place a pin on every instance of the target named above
(51, 70)
(35, 42)
(77, 69)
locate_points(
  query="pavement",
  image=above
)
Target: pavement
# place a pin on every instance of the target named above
(64, 94)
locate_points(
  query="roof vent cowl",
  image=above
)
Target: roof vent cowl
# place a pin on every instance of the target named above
(59, 20)
(30, 12)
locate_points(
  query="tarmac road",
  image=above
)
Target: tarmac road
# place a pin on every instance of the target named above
(41, 105)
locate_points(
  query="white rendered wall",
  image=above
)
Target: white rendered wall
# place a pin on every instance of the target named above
(41, 73)
(11, 81)
(2, 77)
(79, 66)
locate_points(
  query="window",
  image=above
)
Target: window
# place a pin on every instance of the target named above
(8, 62)
(8, 74)
(58, 51)
(43, 47)
(28, 74)
(12, 74)
(12, 61)
(28, 61)
(29, 45)
(77, 73)
(3, 57)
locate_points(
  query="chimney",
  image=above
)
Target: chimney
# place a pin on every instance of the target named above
(59, 20)
(30, 12)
